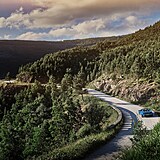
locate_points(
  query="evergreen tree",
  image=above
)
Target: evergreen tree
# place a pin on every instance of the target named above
(79, 83)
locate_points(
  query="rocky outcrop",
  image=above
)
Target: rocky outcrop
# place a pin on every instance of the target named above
(135, 91)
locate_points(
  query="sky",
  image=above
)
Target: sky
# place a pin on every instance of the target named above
(55, 20)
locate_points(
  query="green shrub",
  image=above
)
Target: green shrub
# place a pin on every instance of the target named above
(105, 126)
(84, 131)
(79, 149)
(147, 148)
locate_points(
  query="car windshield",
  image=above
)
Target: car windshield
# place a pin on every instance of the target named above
(146, 110)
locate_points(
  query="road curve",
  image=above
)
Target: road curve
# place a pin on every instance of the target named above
(122, 139)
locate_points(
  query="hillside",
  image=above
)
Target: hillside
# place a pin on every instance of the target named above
(47, 121)
(149, 33)
(132, 62)
(134, 56)
(132, 70)
(13, 54)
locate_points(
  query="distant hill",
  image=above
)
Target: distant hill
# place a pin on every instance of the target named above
(14, 53)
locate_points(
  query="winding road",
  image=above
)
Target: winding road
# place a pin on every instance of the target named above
(122, 139)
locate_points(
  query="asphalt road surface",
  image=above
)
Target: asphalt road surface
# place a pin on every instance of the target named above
(122, 139)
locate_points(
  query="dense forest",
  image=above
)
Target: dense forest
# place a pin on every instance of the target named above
(14, 53)
(42, 118)
(50, 111)
(133, 56)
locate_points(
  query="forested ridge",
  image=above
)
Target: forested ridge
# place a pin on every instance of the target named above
(51, 114)
(14, 53)
(135, 55)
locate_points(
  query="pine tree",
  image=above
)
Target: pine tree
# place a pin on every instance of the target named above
(79, 83)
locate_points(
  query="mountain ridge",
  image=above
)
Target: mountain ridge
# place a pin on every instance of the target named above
(129, 55)
(14, 53)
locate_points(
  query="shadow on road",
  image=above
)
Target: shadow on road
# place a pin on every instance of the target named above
(121, 140)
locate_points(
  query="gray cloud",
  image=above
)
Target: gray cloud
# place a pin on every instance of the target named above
(63, 12)
(91, 28)
(80, 18)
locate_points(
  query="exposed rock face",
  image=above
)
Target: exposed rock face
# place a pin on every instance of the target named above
(136, 91)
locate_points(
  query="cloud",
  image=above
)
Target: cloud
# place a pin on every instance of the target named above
(90, 26)
(133, 23)
(53, 13)
(31, 36)
(12, 2)
(7, 36)
(11, 5)
(77, 19)
(115, 25)
(131, 19)
(98, 4)
(17, 19)
(62, 33)
(81, 30)
(2, 22)
(63, 12)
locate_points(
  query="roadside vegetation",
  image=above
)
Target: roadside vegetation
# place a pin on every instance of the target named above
(134, 58)
(49, 121)
(146, 146)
